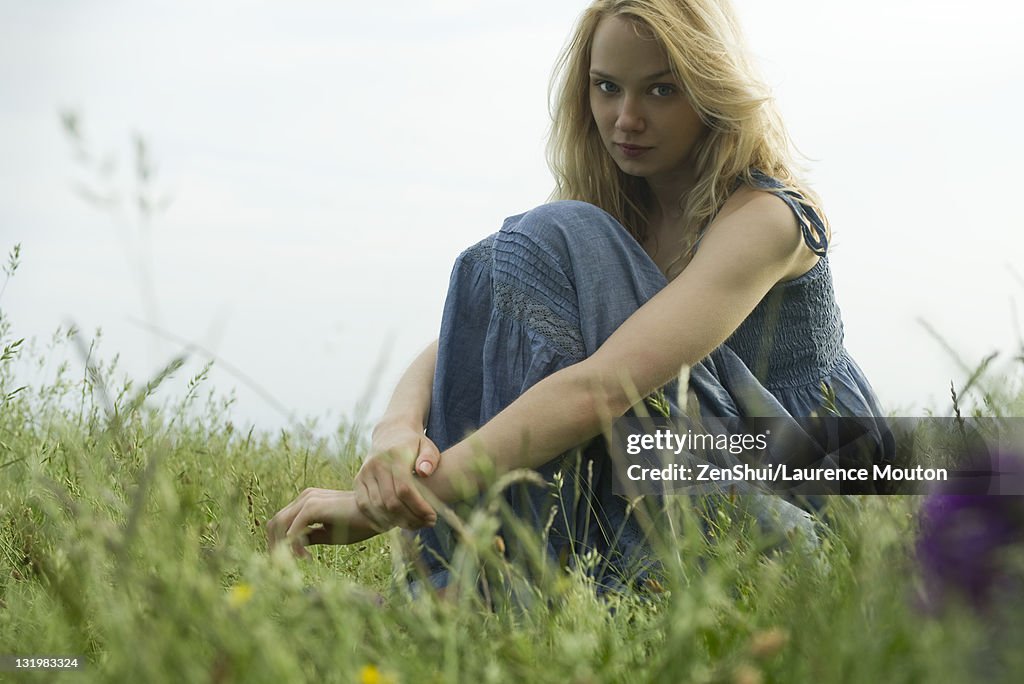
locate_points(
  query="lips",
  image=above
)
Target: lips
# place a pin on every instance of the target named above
(632, 151)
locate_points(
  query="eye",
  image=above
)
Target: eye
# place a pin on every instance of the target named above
(663, 90)
(606, 87)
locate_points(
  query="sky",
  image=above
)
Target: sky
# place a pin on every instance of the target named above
(319, 165)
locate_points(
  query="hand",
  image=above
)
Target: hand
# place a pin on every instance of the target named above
(384, 487)
(336, 513)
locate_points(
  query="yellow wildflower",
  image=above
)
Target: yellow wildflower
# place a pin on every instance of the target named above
(239, 594)
(370, 674)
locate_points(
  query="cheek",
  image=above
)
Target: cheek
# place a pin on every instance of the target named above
(602, 116)
(693, 120)
(689, 125)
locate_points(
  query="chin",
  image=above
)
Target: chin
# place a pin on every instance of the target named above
(632, 168)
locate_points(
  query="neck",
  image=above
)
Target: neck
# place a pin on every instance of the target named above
(669, 193)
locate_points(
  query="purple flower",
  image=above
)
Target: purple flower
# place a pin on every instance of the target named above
(965, 539)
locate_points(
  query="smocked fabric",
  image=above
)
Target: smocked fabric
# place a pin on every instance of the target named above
(794, 337)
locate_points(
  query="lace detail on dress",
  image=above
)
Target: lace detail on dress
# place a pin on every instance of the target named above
(516, 304)
(481, 252)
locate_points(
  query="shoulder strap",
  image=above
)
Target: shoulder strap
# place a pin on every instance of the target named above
(811, 225)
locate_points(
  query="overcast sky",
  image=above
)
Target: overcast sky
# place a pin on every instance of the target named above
(326, 162)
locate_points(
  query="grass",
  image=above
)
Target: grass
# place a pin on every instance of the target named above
(131, 535)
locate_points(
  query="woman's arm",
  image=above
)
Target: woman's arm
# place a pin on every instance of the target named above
(383, 486)
(410, 402)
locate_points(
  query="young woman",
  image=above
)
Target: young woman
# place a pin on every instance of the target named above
(682, 238)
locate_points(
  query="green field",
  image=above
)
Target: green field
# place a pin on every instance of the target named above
(131, 536)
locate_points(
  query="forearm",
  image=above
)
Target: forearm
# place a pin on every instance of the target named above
(410, 402)
(560, 412)
(352, 527)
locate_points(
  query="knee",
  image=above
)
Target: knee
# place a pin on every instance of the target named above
(566, 226)
(569, 217)
(568, 211)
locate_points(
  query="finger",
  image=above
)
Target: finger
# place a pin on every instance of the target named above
(360, 475)
(395, 491)
(362, 490)
(299, 530)
(278, 525)
(384, 501)
(428, 458)
(362, 496)
(368, 471)
(393, 507)
(378, 500)
(417, 510)
(373, 506)
(271, 531)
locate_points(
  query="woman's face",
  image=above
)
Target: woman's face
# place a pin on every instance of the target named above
(641, 111)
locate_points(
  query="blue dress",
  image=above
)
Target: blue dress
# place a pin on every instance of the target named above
(545, 292)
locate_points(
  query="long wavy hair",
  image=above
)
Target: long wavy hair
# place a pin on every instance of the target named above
(707, 55)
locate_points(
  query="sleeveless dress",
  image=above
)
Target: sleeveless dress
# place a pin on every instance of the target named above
(545, 292)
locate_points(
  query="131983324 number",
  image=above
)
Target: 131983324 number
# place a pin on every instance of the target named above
(11, 663)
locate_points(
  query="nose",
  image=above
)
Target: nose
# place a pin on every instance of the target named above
(630, 118)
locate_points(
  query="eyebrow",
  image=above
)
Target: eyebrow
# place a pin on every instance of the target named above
(601, 74)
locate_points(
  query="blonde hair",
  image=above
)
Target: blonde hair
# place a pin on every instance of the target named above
(706, 53)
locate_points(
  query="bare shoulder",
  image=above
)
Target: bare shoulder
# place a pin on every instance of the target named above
(763, 220)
